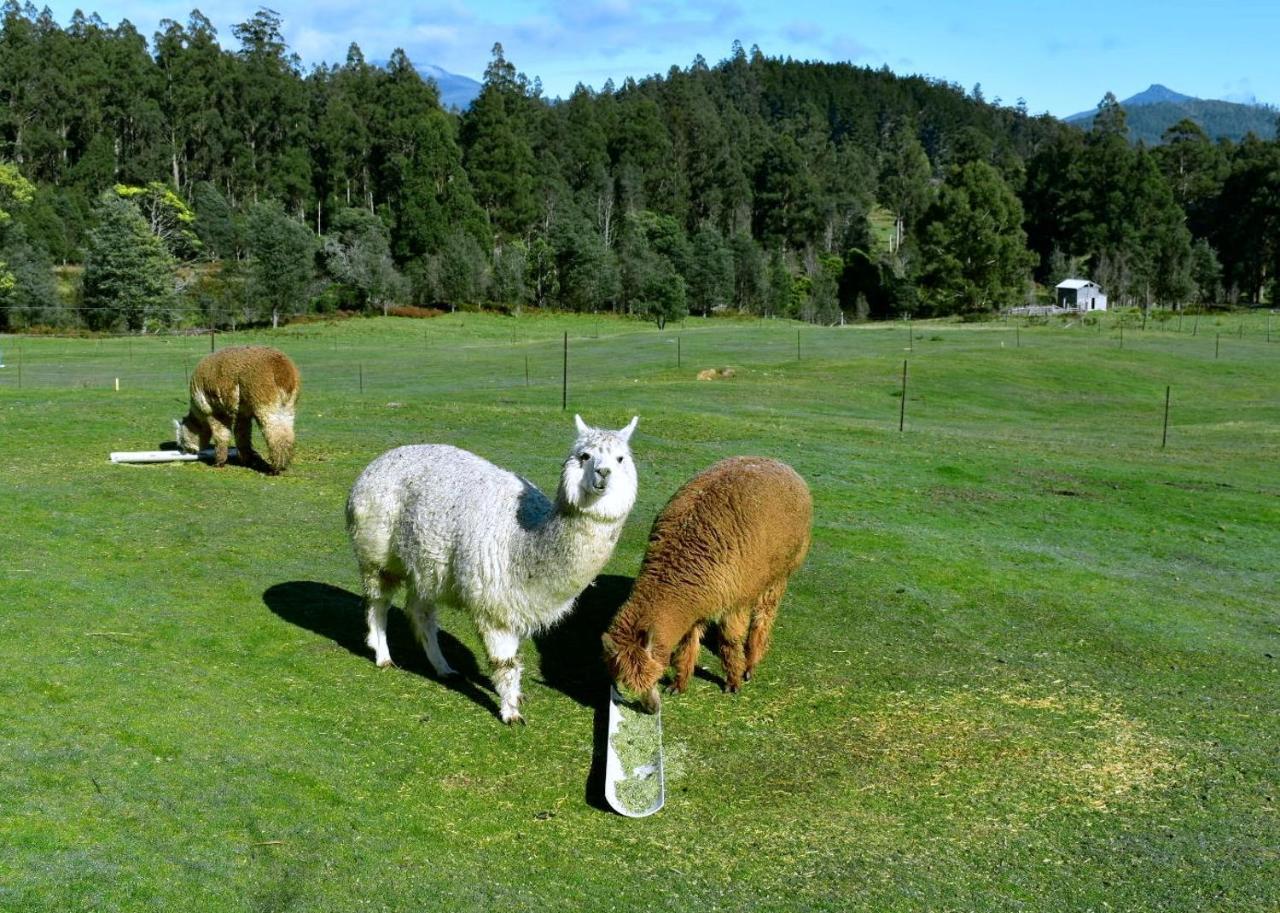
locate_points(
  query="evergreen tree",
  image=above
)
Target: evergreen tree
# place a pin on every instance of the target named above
(1162, 254)
(28, 295)
(462, 271)
(749, 285)
(822, 304)
(216, 224)
(1246, 231)
(1206, 273)
(498, 153)
(510, 268)
(587, 270)
(711, 273)
(972, 244)
(781, 298)
(904, 180)
(128, 272)
(282, 260)
(1194, 169)
(787, 196)
(193, 98)
(663, 295)
(542, 277)
(420, 174)
(270, 116)
(357, 253)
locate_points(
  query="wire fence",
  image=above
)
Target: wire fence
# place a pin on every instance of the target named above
(960, 375)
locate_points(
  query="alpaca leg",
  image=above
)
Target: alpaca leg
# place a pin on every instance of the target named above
(501, 647)
(422, 613)
(378, 590)
(684, 659)
(762, 618)
(244, 439)
(221, 435)
(733, 631)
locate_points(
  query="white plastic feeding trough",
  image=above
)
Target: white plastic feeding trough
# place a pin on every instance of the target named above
(165, 456)
(633, 781)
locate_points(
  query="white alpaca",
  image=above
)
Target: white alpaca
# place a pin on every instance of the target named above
(458, 530)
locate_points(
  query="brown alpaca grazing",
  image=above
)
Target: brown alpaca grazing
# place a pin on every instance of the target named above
(721, 552)
(229, 390)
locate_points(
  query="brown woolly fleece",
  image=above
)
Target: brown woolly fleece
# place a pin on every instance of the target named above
(233, 387)
(720, 552)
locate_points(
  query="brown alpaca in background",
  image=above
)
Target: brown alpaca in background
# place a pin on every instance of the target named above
(229, 390)
(720, 552)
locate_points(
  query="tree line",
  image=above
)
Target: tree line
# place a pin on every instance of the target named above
(183, 182)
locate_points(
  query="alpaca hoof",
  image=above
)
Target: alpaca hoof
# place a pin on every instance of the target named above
(385, 663)
(674, 688)
(512, 719)
(746, 676)
(731, 688)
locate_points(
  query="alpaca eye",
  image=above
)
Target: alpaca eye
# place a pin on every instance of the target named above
(619, 459)
(584, 457)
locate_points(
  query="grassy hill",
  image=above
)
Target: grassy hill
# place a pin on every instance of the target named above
(1031, 661)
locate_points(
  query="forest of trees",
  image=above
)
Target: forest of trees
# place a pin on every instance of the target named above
(181, 182)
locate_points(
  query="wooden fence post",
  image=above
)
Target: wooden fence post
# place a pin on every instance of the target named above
(902, 407)
(1164, 437)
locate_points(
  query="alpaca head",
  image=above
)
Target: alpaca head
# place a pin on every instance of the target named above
(599, 476)
(187, 434)
(628, 655)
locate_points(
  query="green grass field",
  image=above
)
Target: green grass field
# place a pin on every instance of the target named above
(1031, 663)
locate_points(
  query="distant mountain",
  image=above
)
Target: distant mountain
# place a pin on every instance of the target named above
(1154, 94)
(1157, 108)
(455, 91)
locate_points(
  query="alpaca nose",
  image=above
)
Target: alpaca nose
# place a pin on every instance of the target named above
(603, 471)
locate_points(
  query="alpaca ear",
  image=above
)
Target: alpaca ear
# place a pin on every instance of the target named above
(648, 642)
(626, 432)
(583, 428)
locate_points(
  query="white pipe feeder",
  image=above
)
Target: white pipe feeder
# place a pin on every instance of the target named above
(165, 456)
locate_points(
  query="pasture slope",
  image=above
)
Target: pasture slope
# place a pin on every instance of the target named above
(1031, 663)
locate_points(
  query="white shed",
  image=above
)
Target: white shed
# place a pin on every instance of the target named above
(1082, 295)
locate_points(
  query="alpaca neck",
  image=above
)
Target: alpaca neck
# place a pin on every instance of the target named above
(641, 619)
(641, 654)
(566, 549)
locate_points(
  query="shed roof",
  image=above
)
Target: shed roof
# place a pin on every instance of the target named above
(1077, 283)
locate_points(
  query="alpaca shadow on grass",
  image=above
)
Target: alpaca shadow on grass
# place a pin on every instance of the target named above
(710, 644)
(338, 614)
(571, 655)
(571, 660)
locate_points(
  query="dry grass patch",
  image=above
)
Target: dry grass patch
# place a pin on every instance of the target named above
(1064, 745)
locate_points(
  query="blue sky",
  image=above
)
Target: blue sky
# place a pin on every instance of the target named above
(1060, 57)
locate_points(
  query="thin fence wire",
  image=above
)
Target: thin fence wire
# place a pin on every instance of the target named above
(859, 368)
